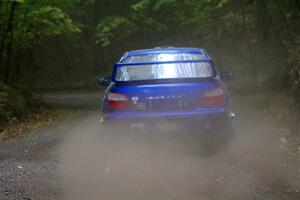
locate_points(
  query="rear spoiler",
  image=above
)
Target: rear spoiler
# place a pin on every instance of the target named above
(160, 62)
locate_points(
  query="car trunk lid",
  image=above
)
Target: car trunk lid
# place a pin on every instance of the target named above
(165, 97)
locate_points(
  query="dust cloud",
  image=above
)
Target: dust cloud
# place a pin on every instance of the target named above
(97, 164)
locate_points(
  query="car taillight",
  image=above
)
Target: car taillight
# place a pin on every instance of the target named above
(116, 101)
(213, 97)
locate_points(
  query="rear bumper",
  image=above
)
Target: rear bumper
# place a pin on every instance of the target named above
(210, 118)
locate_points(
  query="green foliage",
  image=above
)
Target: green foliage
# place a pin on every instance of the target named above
(13, 103)
(141, 5)
(16, 98)
(120, 28)
(222, 3)
(260, 35)
(110, 28)
(37, 25)
(52, 21)
(164, 3)
(19, 1)
(160, 17)
(232, 30)
(37, 20)
(25, 24)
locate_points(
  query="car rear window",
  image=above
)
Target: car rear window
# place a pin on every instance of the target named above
(161, 71)
(163, 57)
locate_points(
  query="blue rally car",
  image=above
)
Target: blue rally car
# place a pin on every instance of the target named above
(177, 86)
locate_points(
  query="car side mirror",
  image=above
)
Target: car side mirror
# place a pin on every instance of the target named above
(103, 81)
(228, 76)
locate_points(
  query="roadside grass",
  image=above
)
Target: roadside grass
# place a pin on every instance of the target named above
(282, 109)
(14, 104)
(275, 105)
(20, 113)
(30, 126)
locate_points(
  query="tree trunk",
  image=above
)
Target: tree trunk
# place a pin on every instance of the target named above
(247, 36)
(17, 68)
(261, 22)
(9, 31)
(285, 22)
(297, 4)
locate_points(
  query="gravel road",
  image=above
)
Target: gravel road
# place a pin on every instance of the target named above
(77, 160)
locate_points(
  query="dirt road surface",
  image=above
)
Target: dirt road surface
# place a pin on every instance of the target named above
(77, 160)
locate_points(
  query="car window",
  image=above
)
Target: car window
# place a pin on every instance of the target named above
(163, 57)
(164, 71)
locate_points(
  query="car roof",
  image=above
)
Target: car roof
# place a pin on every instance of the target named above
(158, 50)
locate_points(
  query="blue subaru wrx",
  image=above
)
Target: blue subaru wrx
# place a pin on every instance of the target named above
(180, 87)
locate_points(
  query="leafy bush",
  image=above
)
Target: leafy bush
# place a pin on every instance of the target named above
(14, 104)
